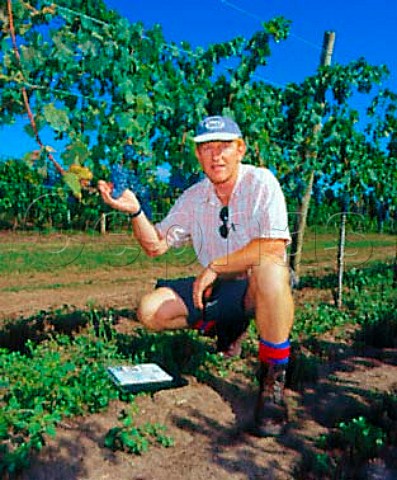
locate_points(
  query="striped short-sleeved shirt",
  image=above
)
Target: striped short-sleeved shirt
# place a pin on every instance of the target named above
(257, 209)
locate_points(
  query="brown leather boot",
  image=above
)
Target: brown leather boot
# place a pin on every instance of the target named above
(271, 415)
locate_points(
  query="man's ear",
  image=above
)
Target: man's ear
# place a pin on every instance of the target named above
(196, 152)
(241, 146)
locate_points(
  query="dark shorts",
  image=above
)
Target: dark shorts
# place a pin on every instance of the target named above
(223, 315)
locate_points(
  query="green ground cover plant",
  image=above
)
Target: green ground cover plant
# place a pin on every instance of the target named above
(58, 378)
(63, 376)
(341, 453)
(132, 439)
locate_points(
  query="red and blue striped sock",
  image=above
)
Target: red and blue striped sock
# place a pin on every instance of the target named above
(274, 353)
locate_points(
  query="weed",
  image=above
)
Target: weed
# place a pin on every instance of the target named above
(357, 438)
(314, 465)
(137, 440)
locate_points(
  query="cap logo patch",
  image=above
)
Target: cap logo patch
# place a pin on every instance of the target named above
(214, 124)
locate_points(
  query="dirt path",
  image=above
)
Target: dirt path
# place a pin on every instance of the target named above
(24, 295)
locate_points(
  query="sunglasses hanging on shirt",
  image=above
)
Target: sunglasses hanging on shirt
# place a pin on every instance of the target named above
(224, 217)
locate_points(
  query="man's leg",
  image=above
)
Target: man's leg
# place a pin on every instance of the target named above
(162, 309)
(270, 294)
(170, 306)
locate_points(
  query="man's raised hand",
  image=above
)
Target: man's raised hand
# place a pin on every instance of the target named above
(127, 202)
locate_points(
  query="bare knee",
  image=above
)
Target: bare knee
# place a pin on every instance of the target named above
(271, 277)
(161, 309)
(147, 312)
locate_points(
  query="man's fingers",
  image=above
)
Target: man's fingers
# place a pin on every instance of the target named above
(200, 303)
(105, 190)
(198, 297)
(203, 287)
(104, 187)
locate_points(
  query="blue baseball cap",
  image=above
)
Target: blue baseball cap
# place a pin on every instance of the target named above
(217, 128)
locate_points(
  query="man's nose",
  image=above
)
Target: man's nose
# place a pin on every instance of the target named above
(217, 152)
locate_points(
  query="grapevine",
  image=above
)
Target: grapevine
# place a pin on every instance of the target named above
(77, 177)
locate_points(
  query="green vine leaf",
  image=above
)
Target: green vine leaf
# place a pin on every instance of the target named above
(76, 152)
(72, 181)
(57, 118)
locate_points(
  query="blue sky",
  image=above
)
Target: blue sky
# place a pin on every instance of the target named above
(365, 28)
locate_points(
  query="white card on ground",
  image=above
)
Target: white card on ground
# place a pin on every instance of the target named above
(144, 373)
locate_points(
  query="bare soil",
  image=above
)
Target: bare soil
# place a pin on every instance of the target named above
(209, 422)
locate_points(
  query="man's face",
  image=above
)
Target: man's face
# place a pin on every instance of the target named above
(220, 160)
